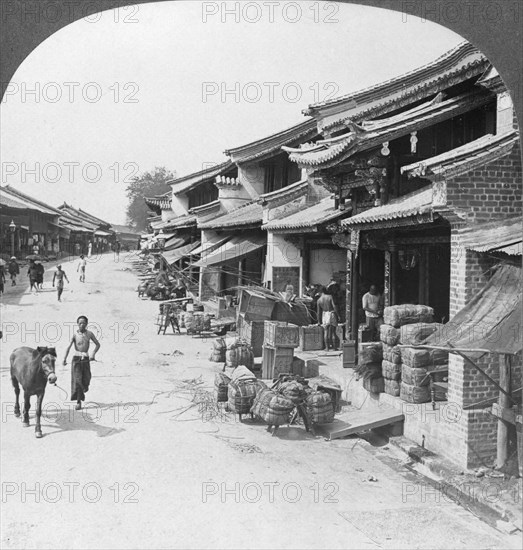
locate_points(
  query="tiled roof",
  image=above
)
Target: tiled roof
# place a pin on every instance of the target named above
(162, 202)
(293, 190)
(188, 182)
(176, 223)
(456, 65)
(10, 202)
(272, 144)
(364, 136)
(308, 216)
(30, 203)
(81, 215)
(465, 158)
(248, 214)
(413, 204)
(503, 235)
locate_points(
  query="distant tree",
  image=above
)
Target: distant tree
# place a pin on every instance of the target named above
(147, 184)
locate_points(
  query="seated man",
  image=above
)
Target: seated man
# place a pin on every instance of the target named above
(373, 306)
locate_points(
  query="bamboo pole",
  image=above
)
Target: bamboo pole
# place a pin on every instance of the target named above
(504, 403)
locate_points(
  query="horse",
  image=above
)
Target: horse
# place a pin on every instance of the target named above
(32, 369)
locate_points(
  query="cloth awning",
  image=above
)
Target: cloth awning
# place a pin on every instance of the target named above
(172, 256)
(210, 245)
(235, 248)
(102, 233)
(172, 242)
(491, 320)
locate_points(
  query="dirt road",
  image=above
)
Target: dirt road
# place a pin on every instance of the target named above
(132, 470)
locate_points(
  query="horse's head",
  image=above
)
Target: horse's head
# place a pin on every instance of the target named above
(48, 358)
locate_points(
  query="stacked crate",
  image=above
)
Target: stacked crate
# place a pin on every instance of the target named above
(253, 333)
(280, 341)
(311, 338)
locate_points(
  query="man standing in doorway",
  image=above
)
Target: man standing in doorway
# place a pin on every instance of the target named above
(373, 306)
(328, 318)
(59, 276)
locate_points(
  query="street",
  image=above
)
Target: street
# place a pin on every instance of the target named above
(142, 466)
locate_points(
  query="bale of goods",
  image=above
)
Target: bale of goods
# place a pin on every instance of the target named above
(319, 407)
(370, 370)
(219, 345)
(414, 394)
(407, 314)
(370, 352)
(293, 390)
(197, 321)
(242, 372)
(221, 387)
(415, 334)
(389, 335)
(374, 385)
(392, 387)
(415, 376)
(311, 338)
(217, 356)
(272, 408)
(241, 394)
(240, 354)
(427, 358)
(391, 371)
(392, 354)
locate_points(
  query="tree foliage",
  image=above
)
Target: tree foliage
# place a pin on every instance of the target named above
(147, 184)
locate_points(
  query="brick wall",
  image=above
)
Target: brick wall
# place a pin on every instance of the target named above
(491, 191)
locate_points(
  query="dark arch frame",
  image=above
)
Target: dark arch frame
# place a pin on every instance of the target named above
(493, 26)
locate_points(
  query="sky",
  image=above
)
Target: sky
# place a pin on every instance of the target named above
(174, 84)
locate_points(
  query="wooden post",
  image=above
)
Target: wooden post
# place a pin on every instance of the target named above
(387, 279)
(504, 403)
(355, 301)
(348, 297)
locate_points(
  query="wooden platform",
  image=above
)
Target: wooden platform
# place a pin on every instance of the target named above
(355, 422)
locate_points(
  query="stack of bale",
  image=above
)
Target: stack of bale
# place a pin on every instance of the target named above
(238, 352)
(406, 324)
(218, 351)
(391, 364)
(418, 362)
(370, 357)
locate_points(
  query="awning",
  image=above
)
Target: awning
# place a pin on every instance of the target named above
(503, 235)
(210, 245)
(172, 256)
(490, 321)
(102, 233)
(235, 248)
(172, 242)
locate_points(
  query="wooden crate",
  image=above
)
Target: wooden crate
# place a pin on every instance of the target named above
(276, 360)
(253, 332)
(311, 338)
(279, 333)
(349, 355)
(255, 307)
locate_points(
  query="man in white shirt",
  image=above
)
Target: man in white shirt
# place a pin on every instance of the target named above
(373, 306)
(81, 268)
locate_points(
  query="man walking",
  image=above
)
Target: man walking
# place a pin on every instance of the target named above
(14, 270)
(81, 268)
(80, 365)
(59, 277)
(328, 318)
(32, 273)
(373, 305)
(40, 270)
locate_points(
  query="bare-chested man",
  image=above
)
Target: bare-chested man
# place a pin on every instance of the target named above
(80, 366)
(59, 276)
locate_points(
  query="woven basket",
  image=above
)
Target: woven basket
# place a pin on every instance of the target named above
(392, 387)
(414, 394)
(217, 357)
(407, 314)
(391, 371)
(221, 383)
(426, 358)
(415, 376)
(241, 395)
(319, 408)
(415, 334)
(293, 390)
(389, 335)
(392, 353)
